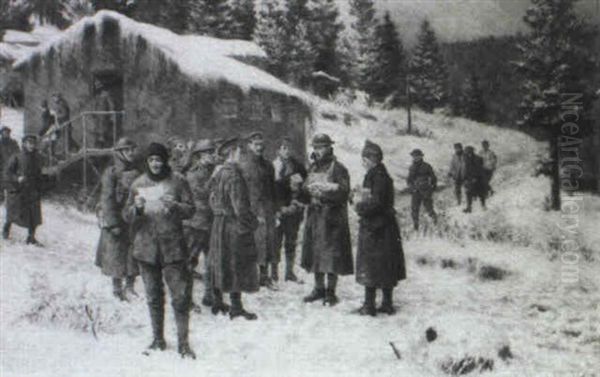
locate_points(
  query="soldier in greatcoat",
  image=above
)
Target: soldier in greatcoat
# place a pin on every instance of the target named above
(233, 254)
(158, 202)
(457, 171)
(380, 258)
(197, 229)
(8, 147)
(326, 248)
(289, 176)
(114, 254)
(24, 183)
(260, 179)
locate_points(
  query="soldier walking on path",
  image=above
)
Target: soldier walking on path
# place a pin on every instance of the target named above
(421, 183)
(197, 229)
(260, 179)
(158, 202)
(326, 248)
(289, 176)
(380, 258)
(114, 253)
(490, 161)
(457, 171)
(8, 147)
(474, 179)
(233, 254)
(24, 182)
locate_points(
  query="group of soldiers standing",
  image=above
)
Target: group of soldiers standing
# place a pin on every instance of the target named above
(227, 201)
(467, 169)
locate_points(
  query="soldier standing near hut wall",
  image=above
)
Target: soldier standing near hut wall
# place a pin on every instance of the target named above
(422, 183)
(114, 254)
(289, 176)
(8, 147)
(197, 229)
(24, 181)
(158, 201)
(326, 249)
(233, 254)
(260, 179)
(62, 116)
(380, 258)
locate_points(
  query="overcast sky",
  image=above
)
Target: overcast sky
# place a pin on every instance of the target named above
(467, 19)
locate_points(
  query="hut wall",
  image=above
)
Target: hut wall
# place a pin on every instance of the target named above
(158, 99)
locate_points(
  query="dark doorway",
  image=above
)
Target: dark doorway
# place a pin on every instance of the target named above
(107, 93)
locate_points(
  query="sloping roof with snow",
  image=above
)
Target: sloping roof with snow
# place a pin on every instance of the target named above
(17, 44)
(202, 58)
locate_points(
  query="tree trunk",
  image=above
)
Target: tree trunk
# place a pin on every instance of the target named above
(555, 204)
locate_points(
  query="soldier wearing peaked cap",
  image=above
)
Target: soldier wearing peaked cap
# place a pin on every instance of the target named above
(197, 229)
(24, 181)
(422, 183)
(380, 258)
(8, 147)
(290, 173)
(233, 255)
(326, 248)
(114, 253)
(260, 179)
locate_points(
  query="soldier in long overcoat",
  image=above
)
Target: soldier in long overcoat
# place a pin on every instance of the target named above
(475, 186)
(114, 253)
(158, 202)
(233, 254)
(24, 182)
(197, 229)
(326, 248)
(289, 176)
(380, 258)
(260, 179)
(421, 182)
(8, 147)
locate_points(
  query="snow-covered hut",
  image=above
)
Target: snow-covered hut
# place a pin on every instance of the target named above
(166, 84)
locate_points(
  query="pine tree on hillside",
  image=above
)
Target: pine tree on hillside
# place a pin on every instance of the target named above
(364, 40)
(557, 61)
(346, 56)
(474, 105)
(13, 16)
(269, 32)
(49, 12)
(427, 71)
(323, 34)
(243, 19)
(390, 63)
(122, 6)
(210, 17)
(301, 56)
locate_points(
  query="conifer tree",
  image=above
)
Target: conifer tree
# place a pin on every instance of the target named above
(210, 17)
(389, 77)
(556, 62)
(428, 74)
(323, 33)
(474, 105)
(363, 39)
(243, 19)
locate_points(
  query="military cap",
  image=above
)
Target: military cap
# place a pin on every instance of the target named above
(321, 140)
(5, 129)
(255, 135)
(29, 137)
(157, 149)
(124, 143)
(372, 151)
(227, 145)
(203, 145)
(417, 152)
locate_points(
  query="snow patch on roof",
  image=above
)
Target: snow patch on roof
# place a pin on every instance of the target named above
(17, 44)
(202, 58)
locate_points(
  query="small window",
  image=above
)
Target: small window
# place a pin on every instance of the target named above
(256, 108)
(276, 113)
(228, 108)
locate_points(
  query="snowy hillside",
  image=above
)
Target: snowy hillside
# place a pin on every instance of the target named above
(497, 305)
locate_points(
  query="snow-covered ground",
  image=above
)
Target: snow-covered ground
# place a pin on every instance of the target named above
(481, 297)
